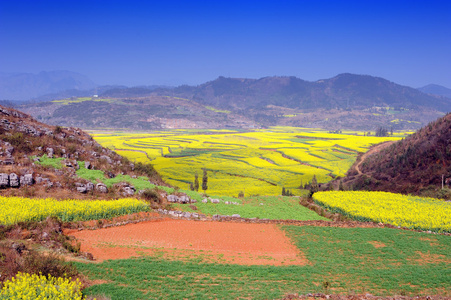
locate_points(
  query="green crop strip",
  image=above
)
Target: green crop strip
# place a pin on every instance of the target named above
(264, 207)
(379, 261)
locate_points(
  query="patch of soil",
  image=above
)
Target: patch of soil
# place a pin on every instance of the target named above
(320, 296)
(377, 244)
(220, 242)
(428, 258)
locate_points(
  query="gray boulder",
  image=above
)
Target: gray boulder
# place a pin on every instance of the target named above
(107, 158)
(101, 187)
(9, 151)
(89, 186)
(27, 179)
(215, 200)
(14, 180)
(88, 165)
(9, 161)
(50, 152)
(128, 191)
(172, 198)
(4, 180)
(82, 189)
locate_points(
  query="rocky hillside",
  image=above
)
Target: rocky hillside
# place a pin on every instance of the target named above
(41, 160)
(418, 164)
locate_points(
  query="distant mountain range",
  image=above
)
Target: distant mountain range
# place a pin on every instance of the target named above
(26, 86)
(350, 101)
(343, 91)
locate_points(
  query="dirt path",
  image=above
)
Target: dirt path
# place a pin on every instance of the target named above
(373, 150)
(219, 242)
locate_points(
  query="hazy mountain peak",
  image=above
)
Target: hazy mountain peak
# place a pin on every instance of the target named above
(436, 89)
(26, 86)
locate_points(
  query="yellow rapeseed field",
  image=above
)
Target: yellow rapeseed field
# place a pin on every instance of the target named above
(26, 286)
(18, 209)
(396, 209)
(258, 162)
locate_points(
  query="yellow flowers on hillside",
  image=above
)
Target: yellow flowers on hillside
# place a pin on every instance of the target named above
(396, 209)
(257, 162)
(38, 287)
(18, 209)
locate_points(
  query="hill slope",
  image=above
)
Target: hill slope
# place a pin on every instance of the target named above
(41, 160)
(416, 164)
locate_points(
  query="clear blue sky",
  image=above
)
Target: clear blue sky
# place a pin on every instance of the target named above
(190, 42)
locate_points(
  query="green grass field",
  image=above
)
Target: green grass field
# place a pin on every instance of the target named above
(380, 261)
(262, 207)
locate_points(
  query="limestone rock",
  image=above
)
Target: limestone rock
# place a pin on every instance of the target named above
(27, 179)
(89, 186)
(14, 180)
(107, 159)
(4, 180)
(50, 152)
(101, 187)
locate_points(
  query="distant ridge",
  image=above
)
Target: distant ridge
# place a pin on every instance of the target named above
(435, 89)
(342, 91)
(25, 86)
(346, 101)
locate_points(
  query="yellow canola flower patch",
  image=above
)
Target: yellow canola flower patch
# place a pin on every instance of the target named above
(39, 287)
(18, 209)
(269, 159)
(396, 209)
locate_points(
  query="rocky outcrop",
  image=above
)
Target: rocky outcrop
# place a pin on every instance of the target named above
(14, 180)
(182, 199)
(4, 180)
(27, 179)
(101, 187)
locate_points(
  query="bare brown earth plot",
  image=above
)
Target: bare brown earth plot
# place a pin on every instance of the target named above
(220, 242)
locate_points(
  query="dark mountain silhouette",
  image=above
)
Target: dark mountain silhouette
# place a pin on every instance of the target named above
(26, 86)
(417, 164)
(435, 89)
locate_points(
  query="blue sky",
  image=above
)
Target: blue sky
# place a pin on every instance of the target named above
(191, 42)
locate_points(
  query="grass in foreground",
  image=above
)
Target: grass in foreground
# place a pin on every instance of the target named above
(262, 207)
(396, 209)
(380, 261)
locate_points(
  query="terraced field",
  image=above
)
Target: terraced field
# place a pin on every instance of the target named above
(255, 163)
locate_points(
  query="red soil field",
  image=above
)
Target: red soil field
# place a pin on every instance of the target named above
(218, 242)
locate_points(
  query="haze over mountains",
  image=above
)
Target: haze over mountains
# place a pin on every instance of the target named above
(26, 86)
(346, 101)
(436, 89)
